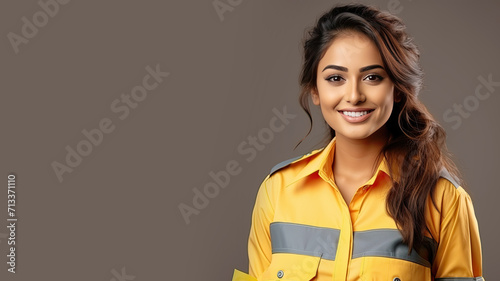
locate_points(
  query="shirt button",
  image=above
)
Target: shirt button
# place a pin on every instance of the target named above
(396, 279)
(281, 273)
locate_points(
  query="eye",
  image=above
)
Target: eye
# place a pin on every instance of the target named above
(334, 78)
(374, 77)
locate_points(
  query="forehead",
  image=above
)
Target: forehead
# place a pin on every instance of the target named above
(351, 48)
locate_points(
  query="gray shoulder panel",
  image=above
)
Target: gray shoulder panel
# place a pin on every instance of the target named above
(284, 164)
(445, 174)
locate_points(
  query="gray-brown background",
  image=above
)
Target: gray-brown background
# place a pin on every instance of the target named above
(119, 208)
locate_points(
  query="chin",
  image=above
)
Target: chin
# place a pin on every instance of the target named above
(356, 135)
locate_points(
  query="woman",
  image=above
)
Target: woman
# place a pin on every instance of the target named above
(382, 200)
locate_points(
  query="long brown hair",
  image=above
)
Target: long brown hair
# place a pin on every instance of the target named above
(416, 145)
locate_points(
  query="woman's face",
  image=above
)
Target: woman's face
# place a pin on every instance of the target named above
(354, 92)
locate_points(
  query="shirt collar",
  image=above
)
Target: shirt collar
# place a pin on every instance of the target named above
(322, 164)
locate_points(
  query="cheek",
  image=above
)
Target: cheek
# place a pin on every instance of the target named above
(385, 97)
(386, 103)
(329, 102)
(328, 96)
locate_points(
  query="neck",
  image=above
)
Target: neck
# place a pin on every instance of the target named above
(358, 156)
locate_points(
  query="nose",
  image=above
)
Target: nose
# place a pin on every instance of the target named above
(353, 94)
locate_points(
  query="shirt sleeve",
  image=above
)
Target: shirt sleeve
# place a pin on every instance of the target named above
(459, 251)
(259, 241)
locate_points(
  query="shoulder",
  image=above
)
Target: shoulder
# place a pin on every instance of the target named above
(283, 173)
(447, 187)
(449, 195)
(451, 209)
(293, 161)
(445, 175)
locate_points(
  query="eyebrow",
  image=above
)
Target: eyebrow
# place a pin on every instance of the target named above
(344, 69)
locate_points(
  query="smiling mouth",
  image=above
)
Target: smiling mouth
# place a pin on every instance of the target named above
(356, 113)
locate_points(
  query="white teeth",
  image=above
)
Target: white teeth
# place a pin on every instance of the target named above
(355, 113)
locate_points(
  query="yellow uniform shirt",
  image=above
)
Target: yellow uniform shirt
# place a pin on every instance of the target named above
(302, 229)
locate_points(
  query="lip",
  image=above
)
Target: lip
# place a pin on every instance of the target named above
(357, 109)
(356, 119)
